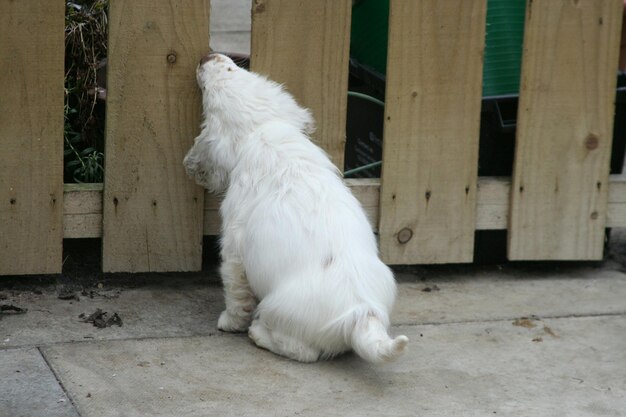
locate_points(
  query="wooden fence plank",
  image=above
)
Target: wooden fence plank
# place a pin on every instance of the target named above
(564, 130)
(31, 136)
(152, 211)
(432, 117)
(305, 45)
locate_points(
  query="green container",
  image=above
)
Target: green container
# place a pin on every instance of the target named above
(503, 47)
(503, 44)
(368, 38)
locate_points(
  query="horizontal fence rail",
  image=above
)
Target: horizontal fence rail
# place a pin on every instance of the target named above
(429, 200)
(83, 206)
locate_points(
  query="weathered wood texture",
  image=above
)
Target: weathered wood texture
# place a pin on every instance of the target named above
(305, 45)
(31, 136)
(564, 130)
(212, 218)
(492, 208)
(616, 212)
(367, 191)
(432, 119)
(152, 211)
(82, 210)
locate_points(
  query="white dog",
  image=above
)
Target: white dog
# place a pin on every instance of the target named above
(293, 236)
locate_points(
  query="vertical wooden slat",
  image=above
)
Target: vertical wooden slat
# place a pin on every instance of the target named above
(31, 136)
(305, 45)
(564, 130)
(152, 211)
(432, 116)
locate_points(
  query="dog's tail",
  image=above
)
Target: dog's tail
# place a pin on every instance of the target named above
(370, 340)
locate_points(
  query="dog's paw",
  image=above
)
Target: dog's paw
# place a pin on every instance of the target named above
(231, 323)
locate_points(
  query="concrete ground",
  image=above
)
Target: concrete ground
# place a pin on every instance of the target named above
(513, 340)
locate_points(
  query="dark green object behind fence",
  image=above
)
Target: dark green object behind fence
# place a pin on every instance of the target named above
(503, 44)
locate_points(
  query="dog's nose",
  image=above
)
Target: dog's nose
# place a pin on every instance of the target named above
(208, 57)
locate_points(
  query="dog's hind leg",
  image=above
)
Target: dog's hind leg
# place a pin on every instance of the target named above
(240, 301)
(281, 344)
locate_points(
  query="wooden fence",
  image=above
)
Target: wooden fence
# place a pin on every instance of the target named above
(427, 204)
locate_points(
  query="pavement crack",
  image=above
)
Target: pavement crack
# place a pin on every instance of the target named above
(506, 319)
(120, 339)
(56, 377)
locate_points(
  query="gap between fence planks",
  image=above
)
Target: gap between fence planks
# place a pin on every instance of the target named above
(31, 136)
(152, 211)
(305, 45)
(432, 121)
(564, 130)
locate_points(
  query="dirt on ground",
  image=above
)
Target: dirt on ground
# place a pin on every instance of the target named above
(102, 319)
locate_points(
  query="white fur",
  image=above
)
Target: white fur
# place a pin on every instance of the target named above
(294, 239)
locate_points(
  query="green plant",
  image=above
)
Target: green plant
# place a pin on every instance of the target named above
(85, 165)
(85, 52)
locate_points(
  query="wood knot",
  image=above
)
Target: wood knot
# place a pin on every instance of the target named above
(171, 57)
(12, 201)
(405, 235)
(592, 142)
(594, 215)
(259, 6)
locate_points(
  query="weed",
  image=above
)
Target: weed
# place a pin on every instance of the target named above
(86, 26)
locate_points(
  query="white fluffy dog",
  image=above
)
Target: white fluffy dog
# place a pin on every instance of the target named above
(294, 239)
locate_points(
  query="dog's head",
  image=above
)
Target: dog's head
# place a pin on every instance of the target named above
(244, 100)
(236, 103)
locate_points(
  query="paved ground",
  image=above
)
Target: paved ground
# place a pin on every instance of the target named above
(513, 340)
